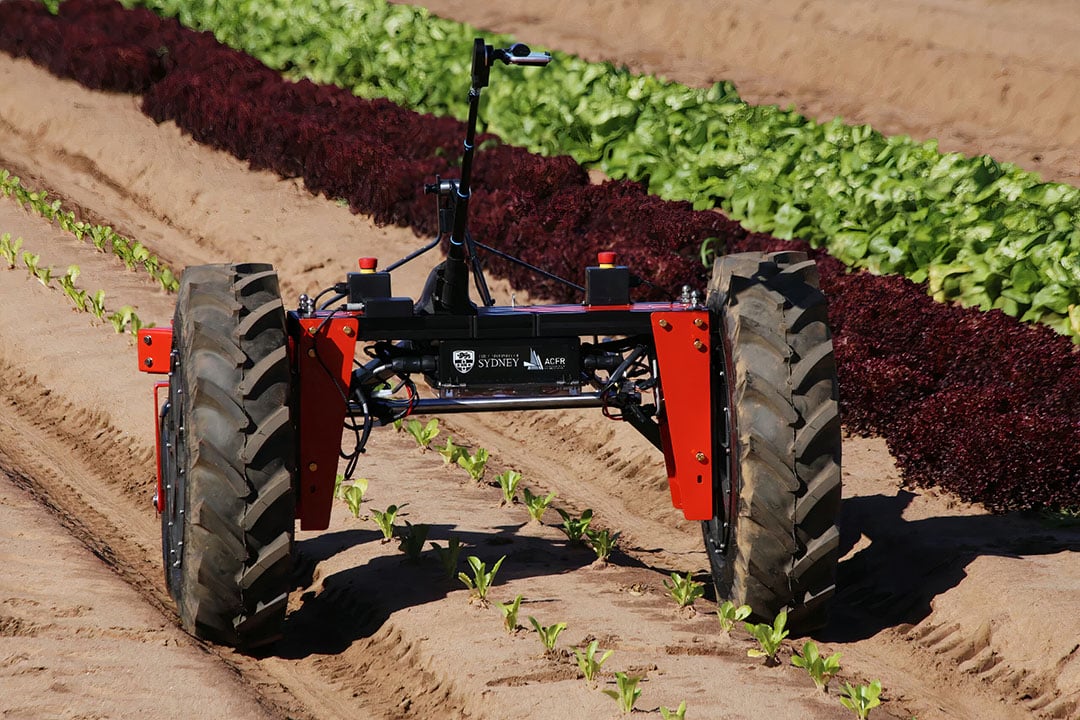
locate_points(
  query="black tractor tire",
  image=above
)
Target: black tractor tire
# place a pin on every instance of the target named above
(229, 456)
(775, 544)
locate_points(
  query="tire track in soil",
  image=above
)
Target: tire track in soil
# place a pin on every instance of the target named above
(78, 641)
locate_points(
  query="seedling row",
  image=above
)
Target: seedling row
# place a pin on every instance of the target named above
(479, 576)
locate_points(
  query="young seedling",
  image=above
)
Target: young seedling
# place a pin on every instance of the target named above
(588, 663)
(168, 280)
(602, 543)
(30, 260)
(122, 249)
(448, 556)
(474, 464)
(481, 579)
(728, 615)
(67, 285)
(43, 275)
(451, 452)
(510, 613)
(122, 318)
(136, 325)
(678, 713)
(508, 482)
(411, 541)
(685, 590)
(361, 483)
(628, 693)
(537, 504)
(385, 520)
(99, 236)
(353, 495)
(97, 304)
(423, 434)
(821, 669)
(9, 249)
(769, 637)
(548, 635)
(575, 527)
(861, 699)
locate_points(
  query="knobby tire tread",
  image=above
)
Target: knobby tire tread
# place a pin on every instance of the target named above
(780, 380)
(240, 446)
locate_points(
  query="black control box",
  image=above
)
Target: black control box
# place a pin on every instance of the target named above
(364, 286)
(607, 285)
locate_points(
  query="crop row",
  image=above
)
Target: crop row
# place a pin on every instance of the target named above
(684, 590)
(130, 252)
(12, 255)
(984, 233)
(975, 402)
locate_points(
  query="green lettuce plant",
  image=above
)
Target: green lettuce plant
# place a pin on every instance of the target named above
(627, 693)
(820, 668)
(411, 540)
(861, 699)
(353, 495)
(509, 612)
(575, 527)
(548, 634)
(474, 464)
(769, 637)
(385, 520)
(423, 434)
(448, 556)
(97, 304)
(9, 249)
(729, 614)
(479, 583)
(678, 713)
(508, 483)
(451, 452)
(73, 293)
(684, 590)
(537, 504)
(602, 542)
(589, 663)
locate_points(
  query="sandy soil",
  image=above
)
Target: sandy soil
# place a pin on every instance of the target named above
(372, 635)
(76, 641)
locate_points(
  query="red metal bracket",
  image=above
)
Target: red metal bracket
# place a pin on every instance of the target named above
(159, 497)
(682, 350)
(155, 345)
(324, 360)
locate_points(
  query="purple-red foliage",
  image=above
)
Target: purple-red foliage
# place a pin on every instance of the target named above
(975, 402)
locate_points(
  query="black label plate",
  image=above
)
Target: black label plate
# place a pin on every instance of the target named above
(540, 362)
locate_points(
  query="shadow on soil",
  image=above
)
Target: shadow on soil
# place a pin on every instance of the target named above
(907, 563)
(354, 603)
